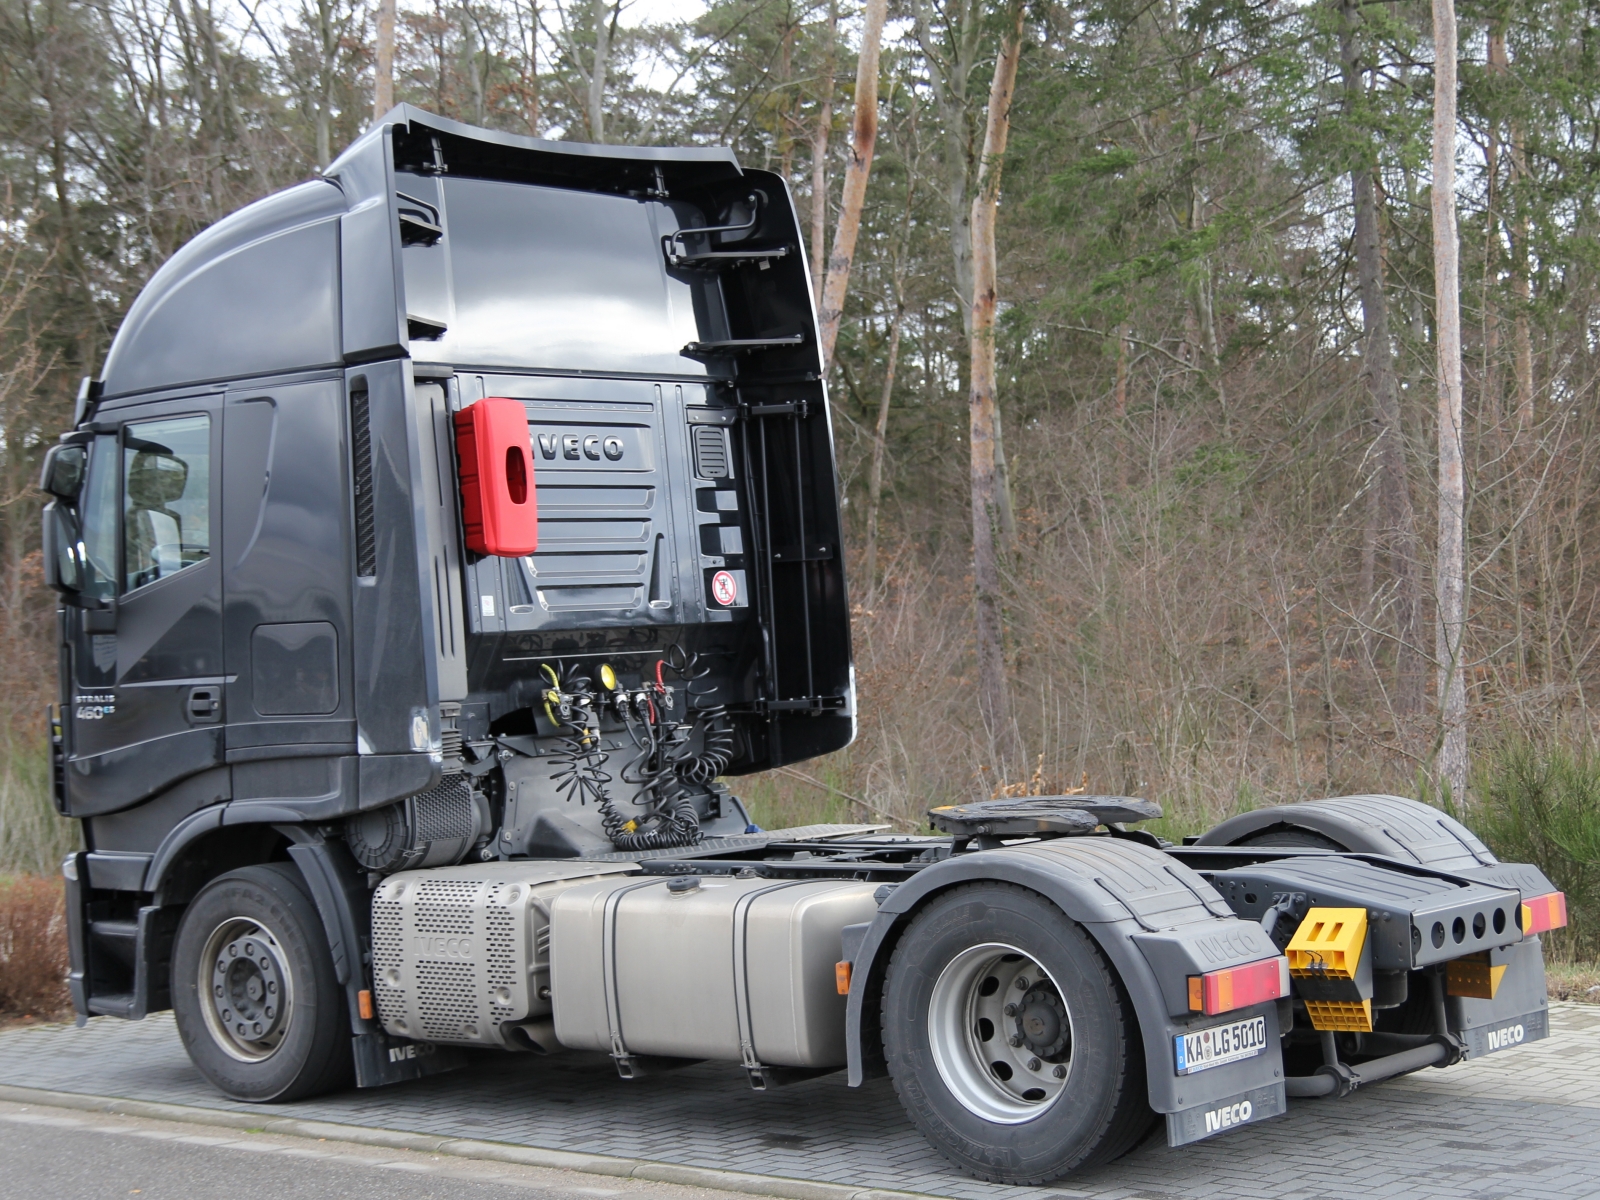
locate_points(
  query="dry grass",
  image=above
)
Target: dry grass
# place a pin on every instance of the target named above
(34, 838)
(1573, 981)
(33, 947)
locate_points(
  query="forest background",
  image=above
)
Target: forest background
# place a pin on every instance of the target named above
(1215, 508)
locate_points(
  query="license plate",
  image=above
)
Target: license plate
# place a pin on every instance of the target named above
(1205, 1048)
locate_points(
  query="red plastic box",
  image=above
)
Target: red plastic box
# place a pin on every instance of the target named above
(498, 504)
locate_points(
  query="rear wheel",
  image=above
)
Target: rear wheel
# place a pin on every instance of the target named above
(1009, 1038)
(253, 990)
(1291, 839)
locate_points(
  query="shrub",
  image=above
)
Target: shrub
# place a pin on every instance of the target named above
(33, 946)
(1541, 804)
(33, 837)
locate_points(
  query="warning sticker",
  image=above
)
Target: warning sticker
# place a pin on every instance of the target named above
(725, 589)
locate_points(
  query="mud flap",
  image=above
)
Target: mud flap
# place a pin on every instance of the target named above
(1218, 1116)
(381, 1059)
(1504, 1034)
(1519, 1012)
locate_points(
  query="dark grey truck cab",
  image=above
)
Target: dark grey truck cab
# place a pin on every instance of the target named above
(277, 622)
(363, 782)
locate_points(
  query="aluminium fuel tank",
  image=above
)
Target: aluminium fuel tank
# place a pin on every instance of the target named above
(704, 967)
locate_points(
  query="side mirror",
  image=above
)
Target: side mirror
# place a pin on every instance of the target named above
(63, 564)
(62, 476)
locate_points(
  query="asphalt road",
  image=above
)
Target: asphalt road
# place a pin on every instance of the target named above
(47, 1154)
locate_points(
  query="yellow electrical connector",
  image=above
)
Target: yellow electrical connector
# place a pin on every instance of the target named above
(1324, 958)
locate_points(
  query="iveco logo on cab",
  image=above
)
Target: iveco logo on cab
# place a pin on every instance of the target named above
(1499, 1039)
(1228, 1115)
(444, 947)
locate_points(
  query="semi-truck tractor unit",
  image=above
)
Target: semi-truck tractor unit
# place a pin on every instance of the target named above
(443, 536)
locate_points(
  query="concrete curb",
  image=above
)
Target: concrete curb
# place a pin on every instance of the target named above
(528, 1156)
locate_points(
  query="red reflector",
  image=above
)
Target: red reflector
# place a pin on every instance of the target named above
(1540, 913)
(1239, 987)
(498, 504)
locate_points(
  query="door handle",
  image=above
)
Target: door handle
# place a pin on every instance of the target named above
(205, 705)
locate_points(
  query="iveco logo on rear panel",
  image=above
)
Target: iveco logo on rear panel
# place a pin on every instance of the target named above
(613, 447)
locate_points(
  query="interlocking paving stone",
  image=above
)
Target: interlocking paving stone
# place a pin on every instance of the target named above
(1524, 1122)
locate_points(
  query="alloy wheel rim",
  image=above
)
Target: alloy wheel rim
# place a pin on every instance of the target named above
(246, 989)
(1001, 1033)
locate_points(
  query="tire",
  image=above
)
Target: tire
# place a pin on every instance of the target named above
(250, 938)
(1292, 839)
(1071, 1095)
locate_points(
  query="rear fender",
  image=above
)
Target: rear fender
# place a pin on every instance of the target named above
(1155, 920)
(1393, 826)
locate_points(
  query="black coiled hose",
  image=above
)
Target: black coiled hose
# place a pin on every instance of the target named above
(669, 818)
(716, 731)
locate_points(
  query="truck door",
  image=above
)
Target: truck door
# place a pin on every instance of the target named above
(145, 703)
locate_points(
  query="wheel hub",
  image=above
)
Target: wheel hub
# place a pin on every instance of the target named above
(1000, 1033)
(248, 991)
(1041, 1022)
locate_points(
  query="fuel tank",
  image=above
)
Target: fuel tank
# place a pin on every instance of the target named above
(704, 967)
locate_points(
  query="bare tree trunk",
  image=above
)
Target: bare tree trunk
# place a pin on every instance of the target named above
(1494, 410)
(786, 104)
(606, 14)
(948, 81)
(1521, 338)
(1451, 567)
(1002, 481)
(469, 38)
(863, 139)
(1396, 524)
(880, 432)
(819, 159)
(531, 84)
(383, 69)
(982, 408)
(1119, 391)
(328, 44)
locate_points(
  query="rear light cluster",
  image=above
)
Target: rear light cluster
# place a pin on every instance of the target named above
(1543, 913)
(1239, 987)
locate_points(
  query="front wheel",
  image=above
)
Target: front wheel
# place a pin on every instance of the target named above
(253, 990)
(1009, 1038)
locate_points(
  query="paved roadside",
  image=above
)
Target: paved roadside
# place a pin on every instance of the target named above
(1523, 1123)
(64, 1155)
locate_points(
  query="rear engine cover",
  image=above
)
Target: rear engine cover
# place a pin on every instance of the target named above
(459, 953)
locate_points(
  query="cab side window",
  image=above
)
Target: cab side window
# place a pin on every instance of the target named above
(97, 508)
(166, 493)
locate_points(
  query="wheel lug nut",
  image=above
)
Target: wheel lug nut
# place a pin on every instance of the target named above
(1022, 983)
(1011, 1010)
(1034, 1064)
(1060, 1072)
(1014, 1040)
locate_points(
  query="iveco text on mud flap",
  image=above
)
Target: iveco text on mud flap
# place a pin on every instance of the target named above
(444, 539)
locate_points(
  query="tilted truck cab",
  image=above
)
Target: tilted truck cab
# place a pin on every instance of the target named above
(442, 537)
